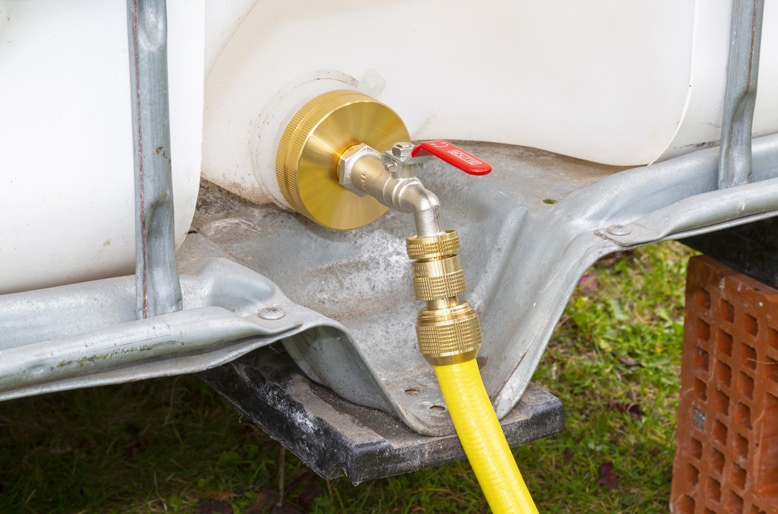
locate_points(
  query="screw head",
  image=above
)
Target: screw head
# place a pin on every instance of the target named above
(272, 313)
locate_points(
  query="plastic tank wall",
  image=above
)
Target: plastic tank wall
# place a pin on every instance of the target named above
(66, 156)
(624, 83)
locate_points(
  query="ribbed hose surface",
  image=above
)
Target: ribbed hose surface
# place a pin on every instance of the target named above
(482, 438)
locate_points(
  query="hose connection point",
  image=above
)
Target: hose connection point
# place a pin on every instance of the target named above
(448, 330)
(449, 335)
(433, 280)
(433, 247)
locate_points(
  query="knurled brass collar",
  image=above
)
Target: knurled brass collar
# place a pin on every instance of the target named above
(449, 336)
(312, 144)
(433, 247)
(448, 330)
(438, 279)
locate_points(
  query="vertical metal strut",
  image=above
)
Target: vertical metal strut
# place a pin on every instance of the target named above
(158, 290)
(740, 99)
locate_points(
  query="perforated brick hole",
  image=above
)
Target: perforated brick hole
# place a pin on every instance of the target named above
(724, 343)
(720, 432)
(686, 505)
(717, 461)
(750, 325)
(692, 474)
(735, 503)
(743, 415)
(702, 360)
(745, 385)
(699, 389)
(703, 330)
(713, 489)
(726, 311)
(772, 338)
(703, 299)
(771, 369)
(723, 373)
(738, 476)
(721, 403)
(747, 356)
(696, 449)
(740, 446)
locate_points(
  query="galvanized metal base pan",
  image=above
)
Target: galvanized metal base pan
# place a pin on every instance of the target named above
(335, 437)
(529, 230)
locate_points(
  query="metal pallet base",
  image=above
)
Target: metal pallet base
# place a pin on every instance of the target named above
(335, 437)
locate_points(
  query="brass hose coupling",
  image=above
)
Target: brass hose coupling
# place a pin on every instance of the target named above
(448, 330)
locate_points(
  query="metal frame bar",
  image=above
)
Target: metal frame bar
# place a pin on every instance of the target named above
(84, 334)
(740, 96)
(158, 289)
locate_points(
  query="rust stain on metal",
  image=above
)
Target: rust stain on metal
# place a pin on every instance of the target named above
(140, 160)
(753, 37)
(91, 359)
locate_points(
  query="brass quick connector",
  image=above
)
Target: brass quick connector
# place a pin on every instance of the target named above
(448, 330)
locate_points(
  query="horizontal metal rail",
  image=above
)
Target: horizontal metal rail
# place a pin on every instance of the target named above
(84, 334)
(744, 203)
(162, 336)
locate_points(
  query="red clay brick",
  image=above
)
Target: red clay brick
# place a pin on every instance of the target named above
(727, 439)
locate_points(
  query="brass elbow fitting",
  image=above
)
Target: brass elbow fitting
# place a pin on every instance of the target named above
(448, 330)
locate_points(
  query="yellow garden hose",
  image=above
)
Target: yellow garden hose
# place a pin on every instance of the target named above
(349, 129)
(449, 335)
(483, 439)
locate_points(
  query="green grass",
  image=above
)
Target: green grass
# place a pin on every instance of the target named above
(618, 411)
(174, 446)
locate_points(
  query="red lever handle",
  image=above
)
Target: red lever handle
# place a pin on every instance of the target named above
(453, 155)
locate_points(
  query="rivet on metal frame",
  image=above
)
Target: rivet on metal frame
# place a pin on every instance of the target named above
(619, 230)
(271, 313)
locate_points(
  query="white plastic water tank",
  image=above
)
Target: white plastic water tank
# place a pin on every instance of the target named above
(615, 82)
(66, 157)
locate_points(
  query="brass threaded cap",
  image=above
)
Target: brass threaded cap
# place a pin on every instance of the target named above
(433, 247)
(310, 149)
(449, 336)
